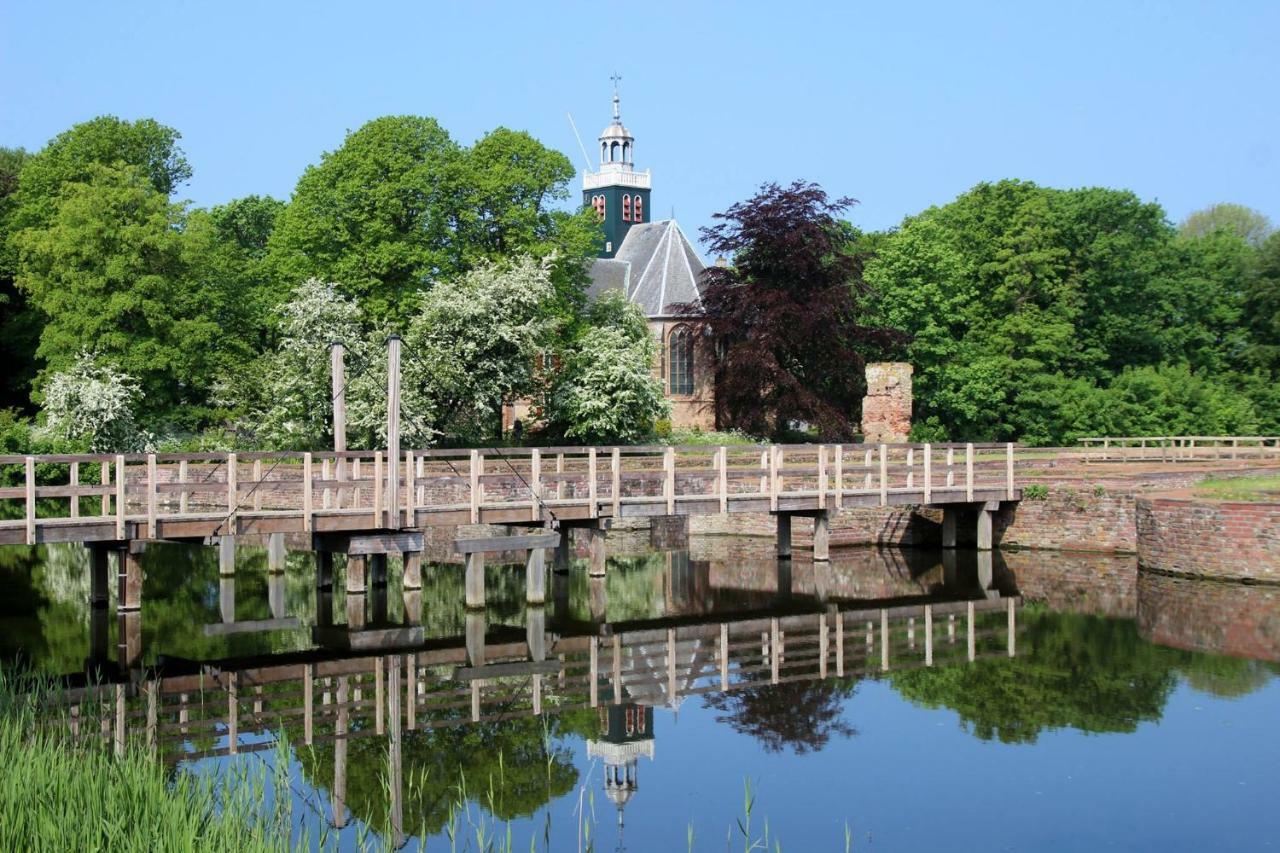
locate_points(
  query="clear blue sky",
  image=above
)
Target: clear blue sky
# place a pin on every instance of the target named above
(900, 106)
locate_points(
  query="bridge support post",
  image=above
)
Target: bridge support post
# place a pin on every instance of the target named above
(413, 570)
(99, 650)
(986, 572)
(356, 611)
(378, 604)
(129, 642)
(535, 576)
(986, 519)
(378, 569)
(597, 550)
(412, 607)
(598, 599)
(226, 555)
(475, 580)
(324, 608)
(949, 526)
(784, 536)
(561, 561)
(784, 580)
(475, 639)
(99, 572)
(356, 566)
(324, 570)
(560, 594)
(276, 553)
(227, 598)
(275, 594)
(129, 578)
(822, 536)
(536, 633)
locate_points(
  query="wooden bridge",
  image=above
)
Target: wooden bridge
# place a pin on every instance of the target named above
(194, 496)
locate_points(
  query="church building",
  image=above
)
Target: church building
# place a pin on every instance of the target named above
(656, 266)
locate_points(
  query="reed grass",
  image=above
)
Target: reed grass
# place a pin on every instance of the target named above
(58, 794)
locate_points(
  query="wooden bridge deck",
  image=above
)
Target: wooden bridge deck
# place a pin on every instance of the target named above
(103, 498)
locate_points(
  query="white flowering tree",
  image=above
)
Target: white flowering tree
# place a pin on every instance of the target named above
(475, 343)
(286, 397)
(92, 406)
(605, 390)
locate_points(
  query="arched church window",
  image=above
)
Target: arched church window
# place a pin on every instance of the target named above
(626, 208)
(604, 152)
(637, 211)
(680, 360)
(597, 201)
(626, 152)
(613, 152)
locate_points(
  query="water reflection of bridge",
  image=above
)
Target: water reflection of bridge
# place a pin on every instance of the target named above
(185, 710)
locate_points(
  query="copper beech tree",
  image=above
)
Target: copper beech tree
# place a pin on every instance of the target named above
(787, 319)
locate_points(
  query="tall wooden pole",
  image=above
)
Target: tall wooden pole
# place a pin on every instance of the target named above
(338, 374)
(393, 429)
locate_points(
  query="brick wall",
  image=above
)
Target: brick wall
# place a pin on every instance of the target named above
(1218, 539)
(1242, 620)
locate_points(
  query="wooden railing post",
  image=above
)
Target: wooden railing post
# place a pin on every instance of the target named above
(911, 467)
(152, 496)
(105, 480)
(74, 481)
(1008, 470)
(773, 477)
(182, 481)
(951, 471)
(723, 458)
(615, 478)
(884, 475)
(377, 489)
(535, 483)
(31, 499)
(928, 472)
(839, 476)
(410, 490)
(120, 496)
(233, 490)
(669, 483)
(866, 464)
(822, 476)
(594, 511)
(474, 491)
(308, 523)
(968, 472)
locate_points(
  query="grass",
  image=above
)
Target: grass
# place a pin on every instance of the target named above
(1265, 488)
(58, 795)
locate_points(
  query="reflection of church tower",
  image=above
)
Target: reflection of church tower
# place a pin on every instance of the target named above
(618, 193)
(626, 735)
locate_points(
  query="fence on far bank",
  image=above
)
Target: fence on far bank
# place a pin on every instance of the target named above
(1180, 448)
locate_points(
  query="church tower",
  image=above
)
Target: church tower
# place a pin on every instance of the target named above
(617, 192)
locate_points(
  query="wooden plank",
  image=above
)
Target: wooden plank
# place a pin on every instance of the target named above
(491, 544)
(31, 499)
(723, 479)
(928, 472)
(233, 489)
(105, 479)
(474, 492)
(120, 496)
(378, 493)
(822, 476)
(504, 670)
(615, 474)
(591, 483)
(1009, 470)
(839, 476)
(968, 472)
(884, 475)
(535, 484)
(182, 480)
(152, 496)
(73, 480)
(308, 510)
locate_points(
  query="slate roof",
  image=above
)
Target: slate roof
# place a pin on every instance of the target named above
(656, 267)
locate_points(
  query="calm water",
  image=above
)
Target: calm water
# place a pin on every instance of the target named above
(1121, 712)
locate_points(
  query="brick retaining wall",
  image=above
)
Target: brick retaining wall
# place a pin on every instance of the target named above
(1242, 620)
(1216, 539)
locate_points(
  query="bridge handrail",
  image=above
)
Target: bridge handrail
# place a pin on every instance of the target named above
(142, 491)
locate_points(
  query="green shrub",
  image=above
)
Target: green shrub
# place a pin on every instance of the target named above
(1035, 492)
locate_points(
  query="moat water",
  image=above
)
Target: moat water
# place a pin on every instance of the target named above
(1043, 701)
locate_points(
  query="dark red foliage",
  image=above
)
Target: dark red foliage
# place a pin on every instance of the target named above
(787, 314)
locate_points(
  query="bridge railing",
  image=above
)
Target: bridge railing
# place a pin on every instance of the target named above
(125, 496)
(1180, 448)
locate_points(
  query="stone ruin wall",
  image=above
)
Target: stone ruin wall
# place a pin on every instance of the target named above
(886, 410)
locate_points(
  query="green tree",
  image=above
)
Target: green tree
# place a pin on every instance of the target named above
(108, 272)
(19, 323)
(1246, 223)
(401, 206)
(104, 141)
(1072, 671)
(605, 390)
(1025, 304)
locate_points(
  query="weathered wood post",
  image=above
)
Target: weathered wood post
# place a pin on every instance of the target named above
(226, 555)
(475, 580)
(928, 472)
(784, 536)
(338, 379)
(884, 475)
(822, 536)
(392, 503)
(536, 576)
(31, 499)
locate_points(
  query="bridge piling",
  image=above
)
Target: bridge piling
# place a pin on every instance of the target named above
(276, 554)
(536, 576)
(475, 580)
(99, 571)
(226, 555)
(822, 536)
(784, 536)
(355, 574)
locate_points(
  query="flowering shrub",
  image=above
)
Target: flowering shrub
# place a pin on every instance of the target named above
(92, 406)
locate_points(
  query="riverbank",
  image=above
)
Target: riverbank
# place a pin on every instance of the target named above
(58, 793)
